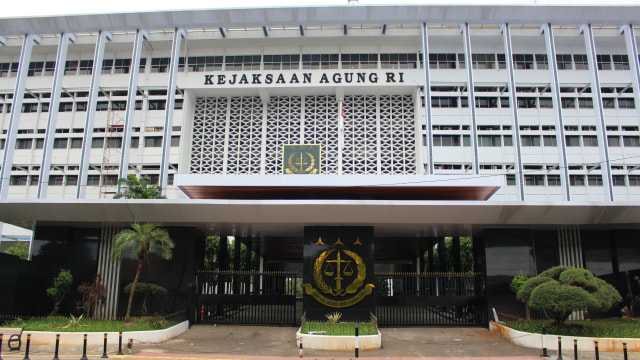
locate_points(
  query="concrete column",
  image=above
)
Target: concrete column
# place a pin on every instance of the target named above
(472, 98)
(427, 96)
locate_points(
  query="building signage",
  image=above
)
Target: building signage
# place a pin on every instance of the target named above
(309, 78)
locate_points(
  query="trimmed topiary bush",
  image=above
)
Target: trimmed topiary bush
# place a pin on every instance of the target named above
(564, 289)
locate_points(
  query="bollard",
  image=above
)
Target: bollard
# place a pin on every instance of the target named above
(624, 348)
(575, 349)
(595, 343)
(55, 354)
(356, 341)
(26, 352)
(559, 348)
(120, 343)
(0, 346)
(104, 352)
(84, 349)
(544, 348)
(301, 347)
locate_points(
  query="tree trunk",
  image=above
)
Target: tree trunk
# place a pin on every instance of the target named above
(56, 307)
(127, 317)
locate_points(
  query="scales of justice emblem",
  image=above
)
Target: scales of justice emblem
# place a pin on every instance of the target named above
(345, 271)
(301, 159)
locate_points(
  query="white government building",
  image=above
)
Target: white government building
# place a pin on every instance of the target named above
(458, 120)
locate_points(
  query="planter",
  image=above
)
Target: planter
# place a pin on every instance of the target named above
(97, 338)
(340, 343)
(533, 340)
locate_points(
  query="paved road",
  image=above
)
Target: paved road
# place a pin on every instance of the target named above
(264, 342)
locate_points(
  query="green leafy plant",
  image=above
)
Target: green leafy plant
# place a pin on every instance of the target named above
(518, 282)
(564, 289)
(334, 317)
(59, 289)
(74, 322)
(149, 291)
(133, 188)
(20, 250)
(141, 239)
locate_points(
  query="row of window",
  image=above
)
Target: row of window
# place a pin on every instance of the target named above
(85, 94)
(532, 127)
(578, 180)
(533, 140)
(96, 143)
(494, 102)
(92, 180)
(81, 106)
(324, 61)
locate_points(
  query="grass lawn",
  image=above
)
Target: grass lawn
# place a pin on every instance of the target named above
(63, 324)
(611, 328)
(341, 328)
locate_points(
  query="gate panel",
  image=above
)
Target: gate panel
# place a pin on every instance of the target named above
(438, 299)
(247, 297)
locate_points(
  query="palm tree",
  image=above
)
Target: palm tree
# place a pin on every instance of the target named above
(141, 239)
(133, 188)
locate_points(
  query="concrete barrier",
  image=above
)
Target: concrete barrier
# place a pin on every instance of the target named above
(97, 338)
(339, 343)
(532, 340)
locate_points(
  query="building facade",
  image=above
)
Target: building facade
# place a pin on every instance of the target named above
(530, 109)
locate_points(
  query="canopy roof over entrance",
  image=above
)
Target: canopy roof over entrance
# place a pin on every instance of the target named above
(336, 187)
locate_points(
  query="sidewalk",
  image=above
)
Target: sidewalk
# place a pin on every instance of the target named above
(264, 342)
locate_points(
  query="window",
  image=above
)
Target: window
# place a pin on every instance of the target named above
(56, 180)
(564, 62)
(33, 179)
(81, 106)
(18, 180)
(121, 66)
(153, 141)
(135, 142)
(97, 143)
(483, 61)
(530, 140)
(120, 105)
(110, 180)
(553, 180)
(60, 143)
(585, 103)
(85, 67)
(604, 62)
(507, 140)
(527, 103)
(114, 143)
(72, 180)
(320, 61)
(107, 65)
(572, 140)
(489, 140)
(39, 143)
(504, 102)
(71, 67)
(281, 62)
(634, 180)
(22, 144)
(153, 178)
(589, 140)
(442, 61)
(545, 103)
(576, 180)
(619, 180)
(159, 65)
(511, 180)
(626, 103)
(93, 180)
(76, 143)
(631, 141)
(178, 104)
(446, 140)
(486, 102)
(157, 104)
(65, 107)
(534, 180)
(44, 107)
(581, 62)
(398, 61)
(613, 141)
(523, 61)
(208, 63)
(568, 103)
(550, 140)
(594, 180)
(242, 62)
(620, 62)
(30, 108)
(175, 141)
(359, 61)
(35, 68)
(541, 62)
(444, 102)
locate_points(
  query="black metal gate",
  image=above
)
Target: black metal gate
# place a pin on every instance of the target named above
(439, 299)
(246, 297)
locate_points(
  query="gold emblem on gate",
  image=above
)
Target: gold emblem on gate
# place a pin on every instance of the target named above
(301, 159)
(338, 266)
